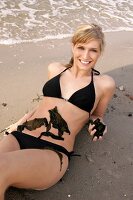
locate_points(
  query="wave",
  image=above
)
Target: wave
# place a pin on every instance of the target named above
(36, 20)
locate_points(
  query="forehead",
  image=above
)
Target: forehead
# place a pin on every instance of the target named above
(91, 43)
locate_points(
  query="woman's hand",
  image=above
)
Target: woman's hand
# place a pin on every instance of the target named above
(95, 131)
(12, 127)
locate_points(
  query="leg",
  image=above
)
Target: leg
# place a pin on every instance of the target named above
(30, 168)
(9, 143)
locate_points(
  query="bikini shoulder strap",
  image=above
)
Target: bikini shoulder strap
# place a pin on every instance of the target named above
(65, 69)
(95, 72)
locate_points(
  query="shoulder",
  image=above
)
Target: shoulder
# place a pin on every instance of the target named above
(105, 87)
(105, 82)
(108, 82)
(55, 68)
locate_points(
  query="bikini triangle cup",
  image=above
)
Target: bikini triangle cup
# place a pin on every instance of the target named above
(84, 98)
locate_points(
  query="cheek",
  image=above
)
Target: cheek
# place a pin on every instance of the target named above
(95, 57)
(76, 54)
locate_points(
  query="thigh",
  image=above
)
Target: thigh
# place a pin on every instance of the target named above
(8, 143)
(34, 168)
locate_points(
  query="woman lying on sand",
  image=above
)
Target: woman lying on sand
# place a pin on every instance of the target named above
(37, 149)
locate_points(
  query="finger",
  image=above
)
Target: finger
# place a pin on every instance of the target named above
(90, 128)
(5, 129)
(95, 139)
(100, 138)
(92, 132)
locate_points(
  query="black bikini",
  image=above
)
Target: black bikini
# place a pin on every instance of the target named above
(30, 142)
(84, 99)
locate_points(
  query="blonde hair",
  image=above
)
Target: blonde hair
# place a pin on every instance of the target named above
(86, 33)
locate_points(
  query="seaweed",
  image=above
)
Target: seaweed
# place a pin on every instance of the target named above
(56, 137)
(56, 121)
(99, 126)
(33, 124)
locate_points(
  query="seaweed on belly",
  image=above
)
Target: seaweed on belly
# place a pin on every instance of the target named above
(56, 121)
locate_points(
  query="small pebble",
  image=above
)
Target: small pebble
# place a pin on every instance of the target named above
(121, 88)
(130, 115)
(115, 95)
(89, 159)
(129, 96)
(69, 195)
(112, 108)
(4, 104)
(22, 62)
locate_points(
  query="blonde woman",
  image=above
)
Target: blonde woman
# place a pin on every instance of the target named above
(73, 94)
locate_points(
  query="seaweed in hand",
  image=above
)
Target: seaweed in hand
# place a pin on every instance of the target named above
(99, 126)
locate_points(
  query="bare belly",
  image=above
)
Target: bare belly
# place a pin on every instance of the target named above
(74, 117)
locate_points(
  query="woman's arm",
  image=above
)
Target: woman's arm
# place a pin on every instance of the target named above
(13, 127)
(108, 88)
(54, 69)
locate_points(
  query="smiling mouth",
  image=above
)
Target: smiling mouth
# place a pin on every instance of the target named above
(85, 62)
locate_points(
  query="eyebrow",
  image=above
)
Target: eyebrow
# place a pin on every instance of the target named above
(96, 48)
(92, 48)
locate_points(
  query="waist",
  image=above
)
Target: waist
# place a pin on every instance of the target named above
(67, 141)
(55, 125)
(28, 141)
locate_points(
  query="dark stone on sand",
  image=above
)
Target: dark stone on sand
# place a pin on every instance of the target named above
(112, 108)
(4, 104)
(129, 96)
(130, 114)
(115, 96)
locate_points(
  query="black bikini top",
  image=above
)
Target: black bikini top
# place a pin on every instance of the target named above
(83, 98)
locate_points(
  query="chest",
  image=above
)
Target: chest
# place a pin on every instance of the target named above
(69, 86)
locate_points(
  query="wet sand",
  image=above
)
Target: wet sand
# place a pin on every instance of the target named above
(104, 169)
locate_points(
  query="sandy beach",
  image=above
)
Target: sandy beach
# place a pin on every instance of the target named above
(104, 169)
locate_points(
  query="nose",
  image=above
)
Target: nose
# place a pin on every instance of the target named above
(86, 55)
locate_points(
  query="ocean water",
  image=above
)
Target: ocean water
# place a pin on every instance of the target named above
(38, 20)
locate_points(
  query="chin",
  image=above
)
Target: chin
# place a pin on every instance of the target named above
(86, 67)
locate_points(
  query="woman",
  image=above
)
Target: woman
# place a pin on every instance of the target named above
(73, 94)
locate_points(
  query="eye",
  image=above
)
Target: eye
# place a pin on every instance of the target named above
(94, 50)
(81, 47)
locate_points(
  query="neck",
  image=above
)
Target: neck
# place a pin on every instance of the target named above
(79, 72)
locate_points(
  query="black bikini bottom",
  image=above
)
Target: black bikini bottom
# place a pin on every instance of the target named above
(30, 142)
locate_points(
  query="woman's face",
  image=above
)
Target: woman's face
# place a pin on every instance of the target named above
(86, 54)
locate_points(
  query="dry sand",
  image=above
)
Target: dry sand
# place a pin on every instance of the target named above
(104, 170)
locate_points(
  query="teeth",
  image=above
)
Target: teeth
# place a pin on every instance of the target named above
(84, 62)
